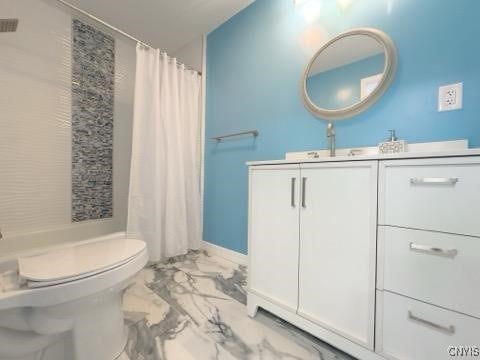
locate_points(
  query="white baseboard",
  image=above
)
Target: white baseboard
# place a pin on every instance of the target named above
(228, 254)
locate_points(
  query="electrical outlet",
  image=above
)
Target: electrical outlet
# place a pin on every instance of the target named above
(450, 97)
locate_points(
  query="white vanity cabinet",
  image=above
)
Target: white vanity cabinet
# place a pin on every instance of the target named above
(428, 257)
(337, 247)
(302, 257)
(273, 233)
(431, 194)
(400, 284)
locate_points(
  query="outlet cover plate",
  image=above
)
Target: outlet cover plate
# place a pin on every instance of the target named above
(450, 97)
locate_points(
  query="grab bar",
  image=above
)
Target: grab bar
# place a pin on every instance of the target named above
(220, 138)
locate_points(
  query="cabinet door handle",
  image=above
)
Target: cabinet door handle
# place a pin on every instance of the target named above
(292, 192)
(304, 189)
(433, 181)
(446, 329)
(433, 250)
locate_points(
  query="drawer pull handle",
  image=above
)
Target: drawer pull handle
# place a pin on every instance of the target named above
(304, 191)
(446, 329)
(434, 250)
(433, 181)
(292, 195)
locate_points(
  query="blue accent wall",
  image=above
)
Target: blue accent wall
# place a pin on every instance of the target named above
(254, 65)
(325, 87)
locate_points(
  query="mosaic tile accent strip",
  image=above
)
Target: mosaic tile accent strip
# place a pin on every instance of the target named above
(93, 79)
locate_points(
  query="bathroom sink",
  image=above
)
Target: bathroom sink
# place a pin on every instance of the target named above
(431, 147)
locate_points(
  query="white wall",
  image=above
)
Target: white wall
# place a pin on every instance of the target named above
(35, 129)
(191, 54)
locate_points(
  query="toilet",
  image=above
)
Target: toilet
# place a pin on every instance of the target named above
(67, 302)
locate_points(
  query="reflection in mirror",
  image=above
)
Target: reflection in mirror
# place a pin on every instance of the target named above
(346, 72)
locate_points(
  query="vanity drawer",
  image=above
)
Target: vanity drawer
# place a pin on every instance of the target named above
(441, 269)
(413, 330)
(431, 194)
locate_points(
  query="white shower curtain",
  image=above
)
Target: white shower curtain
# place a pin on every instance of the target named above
(164, 196)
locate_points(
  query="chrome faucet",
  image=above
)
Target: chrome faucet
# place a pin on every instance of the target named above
(331, 138)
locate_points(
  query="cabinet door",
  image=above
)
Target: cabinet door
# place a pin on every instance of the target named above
(337, 247)
(274, 233)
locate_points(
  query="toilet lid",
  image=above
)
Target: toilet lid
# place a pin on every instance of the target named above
(77, 261)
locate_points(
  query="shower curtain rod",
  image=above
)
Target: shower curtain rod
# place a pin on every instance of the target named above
(111, 27)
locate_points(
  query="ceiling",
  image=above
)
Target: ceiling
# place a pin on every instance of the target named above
(166, 24)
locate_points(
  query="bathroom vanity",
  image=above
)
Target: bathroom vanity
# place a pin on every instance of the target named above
(377, 255)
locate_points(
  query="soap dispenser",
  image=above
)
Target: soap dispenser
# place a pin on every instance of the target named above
(392, 145)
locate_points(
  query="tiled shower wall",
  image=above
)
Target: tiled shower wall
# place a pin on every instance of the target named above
(36, 129)
(93, 81)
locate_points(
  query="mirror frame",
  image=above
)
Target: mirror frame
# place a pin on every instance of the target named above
(352, 110)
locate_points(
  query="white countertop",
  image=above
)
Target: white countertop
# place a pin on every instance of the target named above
(396, 156)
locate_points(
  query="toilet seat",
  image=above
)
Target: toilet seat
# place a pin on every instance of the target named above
(80, 316)
(78, 261)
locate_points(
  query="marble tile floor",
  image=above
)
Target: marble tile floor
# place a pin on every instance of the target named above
(193, 308)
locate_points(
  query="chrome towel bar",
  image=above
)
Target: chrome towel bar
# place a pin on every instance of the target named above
(250, 132)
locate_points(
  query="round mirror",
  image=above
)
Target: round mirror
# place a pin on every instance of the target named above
(349, 73)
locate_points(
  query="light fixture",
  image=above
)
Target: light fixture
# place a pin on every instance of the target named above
(297, 3)
(345, 4)
(310, 9)
(344, 94)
